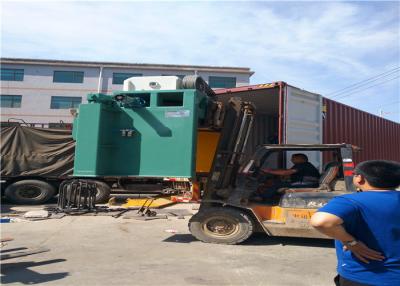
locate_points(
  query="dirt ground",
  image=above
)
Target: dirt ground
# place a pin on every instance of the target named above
(102, 250)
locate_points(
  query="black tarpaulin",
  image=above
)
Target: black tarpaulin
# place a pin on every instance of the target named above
(36, 151)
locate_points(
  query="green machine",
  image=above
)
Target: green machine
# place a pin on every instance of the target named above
(141, 133)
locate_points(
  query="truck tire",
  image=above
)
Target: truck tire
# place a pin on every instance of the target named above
(30, 192)
(103, 192)
(222, 225)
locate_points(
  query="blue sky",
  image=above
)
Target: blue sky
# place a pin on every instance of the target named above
(319, 46)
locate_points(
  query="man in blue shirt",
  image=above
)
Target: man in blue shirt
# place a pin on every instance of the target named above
(366, 226)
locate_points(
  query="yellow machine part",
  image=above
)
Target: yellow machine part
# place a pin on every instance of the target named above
(157, 203)
(207, 143)
(278, 214)
(293, 222)
(269, 212)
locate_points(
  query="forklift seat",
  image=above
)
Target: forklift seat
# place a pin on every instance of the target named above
(325, 182)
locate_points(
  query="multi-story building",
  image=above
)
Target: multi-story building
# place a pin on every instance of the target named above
(44, 91)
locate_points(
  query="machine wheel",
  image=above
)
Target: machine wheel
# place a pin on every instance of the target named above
(103, 192)
(221, 225)
(29, 192)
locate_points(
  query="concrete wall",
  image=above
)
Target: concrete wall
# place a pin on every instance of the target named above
(37, 88)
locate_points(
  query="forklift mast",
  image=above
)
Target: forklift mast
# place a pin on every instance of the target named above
(229, 155)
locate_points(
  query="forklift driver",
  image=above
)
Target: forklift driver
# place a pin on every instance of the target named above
(303, 174)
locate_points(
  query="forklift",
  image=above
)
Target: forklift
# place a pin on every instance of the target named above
(229, 212)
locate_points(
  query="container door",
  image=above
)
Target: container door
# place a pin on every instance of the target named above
(303, 121)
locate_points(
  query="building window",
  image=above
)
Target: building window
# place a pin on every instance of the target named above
(10, 101)
(60, 125)
(181, 76)
(118, 77)
(12, 74)
(68, 76)
(65, 102)
(9, 124)
(221, 82)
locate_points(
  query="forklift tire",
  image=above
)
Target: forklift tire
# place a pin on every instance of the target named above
(29, 192)
(103, 192)
(221, 225)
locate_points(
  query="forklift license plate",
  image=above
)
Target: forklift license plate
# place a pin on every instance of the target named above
(299, 218)
(304, 214)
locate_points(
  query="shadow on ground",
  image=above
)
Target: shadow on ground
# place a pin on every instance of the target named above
(8, 207)
(19, 272)
(262, 239)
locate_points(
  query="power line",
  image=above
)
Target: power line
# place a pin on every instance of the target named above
(394, 70)
(357, 91)
(364, 82)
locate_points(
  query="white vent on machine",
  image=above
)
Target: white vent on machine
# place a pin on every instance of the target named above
(152, 83)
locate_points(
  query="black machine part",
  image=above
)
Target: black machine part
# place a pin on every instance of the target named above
(145, 210)
(197, 82)
(215, 110)
(77, 196)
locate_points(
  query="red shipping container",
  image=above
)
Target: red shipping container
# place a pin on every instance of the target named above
(378, 138)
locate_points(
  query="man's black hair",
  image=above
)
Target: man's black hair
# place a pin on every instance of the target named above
(380, 173)
(301, 155)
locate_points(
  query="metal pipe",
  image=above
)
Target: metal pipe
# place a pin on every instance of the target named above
(100, 83)
(280, 115)
(246, 138)
(235, 149)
